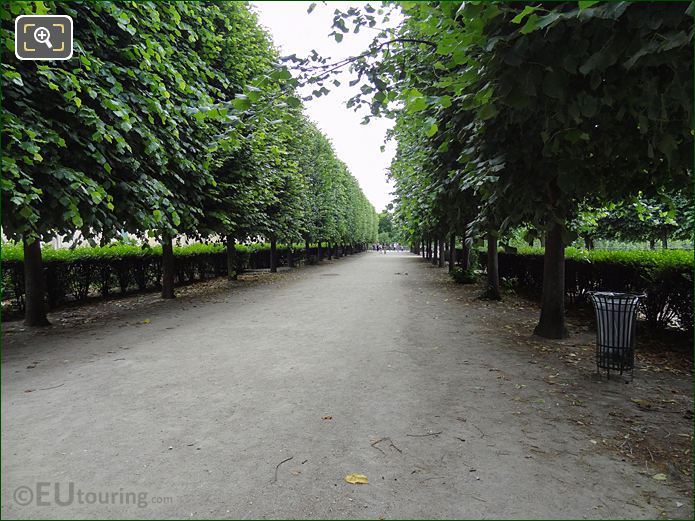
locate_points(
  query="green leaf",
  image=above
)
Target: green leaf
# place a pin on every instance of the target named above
(531, 24)
(488, 111)
(416, 103)
(523, 14)
(587, 3)
(281, 74)
(240, 103)
(445, 101)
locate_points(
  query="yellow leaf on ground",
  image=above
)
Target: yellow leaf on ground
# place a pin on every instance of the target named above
(659, 477)
(642, 403)
(357, 479)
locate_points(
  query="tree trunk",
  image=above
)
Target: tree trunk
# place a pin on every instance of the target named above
(552, 321)
(34, 286)
(290, 256)
(330, 251)
(588, 242)
(493, 274)
(652, 244)
(435, 253)
(306, 252)
(168, 267)
(319, 253)
(465, 254)
(664, 242)
(452, 252)
(231, 258)
(541, 238)
(273, 255)
(441, 253)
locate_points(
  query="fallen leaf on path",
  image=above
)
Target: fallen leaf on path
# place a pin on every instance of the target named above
(659, 477)
(328, 417)
(357, 479)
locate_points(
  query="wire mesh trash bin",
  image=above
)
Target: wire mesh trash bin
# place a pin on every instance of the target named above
(616, 323)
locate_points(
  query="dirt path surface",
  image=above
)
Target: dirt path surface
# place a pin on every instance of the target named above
(370, 364)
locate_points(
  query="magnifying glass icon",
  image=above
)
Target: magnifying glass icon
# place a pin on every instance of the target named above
(42, 35)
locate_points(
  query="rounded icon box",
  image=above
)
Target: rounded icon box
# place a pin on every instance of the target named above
(43, 37)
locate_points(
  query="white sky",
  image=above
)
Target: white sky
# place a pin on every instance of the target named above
(296, 32)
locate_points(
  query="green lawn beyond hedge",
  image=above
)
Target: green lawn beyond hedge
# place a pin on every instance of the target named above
(647, 259)
(15, 252)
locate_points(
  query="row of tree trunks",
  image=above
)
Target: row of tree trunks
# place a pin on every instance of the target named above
(452, 252)
(35, 307)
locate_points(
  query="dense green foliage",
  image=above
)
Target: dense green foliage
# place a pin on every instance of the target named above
(387, 233)
(463, 276)
(171, 118)
(549, 116)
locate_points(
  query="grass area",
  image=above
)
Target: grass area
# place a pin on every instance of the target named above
(15, 252)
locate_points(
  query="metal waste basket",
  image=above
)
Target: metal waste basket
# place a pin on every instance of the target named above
(616, 322)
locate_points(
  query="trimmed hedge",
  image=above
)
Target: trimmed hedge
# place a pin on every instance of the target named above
(74, 275)
(666, 277)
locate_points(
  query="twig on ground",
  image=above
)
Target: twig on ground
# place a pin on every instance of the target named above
(423, 435)
(650, 453)
(482, 434)
(54, 387)
(374, 445)
(278, 466)
(391, 444)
